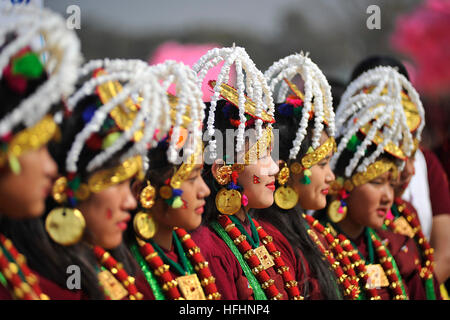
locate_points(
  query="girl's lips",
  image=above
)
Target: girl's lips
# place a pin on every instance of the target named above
(199, 210)
(324, 191)
(122, 225)
(381, 212)
(271, 186)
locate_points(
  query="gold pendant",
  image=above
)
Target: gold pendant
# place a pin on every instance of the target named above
(265, 257)
(144, 225)
(147, 196)
(403, 227)
(228, 201)
(377, 278)
(113, 288)
(285, 197)
(190, 287)
(333, 211)
(65, 225)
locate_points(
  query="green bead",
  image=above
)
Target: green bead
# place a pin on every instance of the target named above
(110, 139)
(307, 172)
(14, 164)
(75, 183)
(310, 150)
(306, 180)
(177, 203)
(353, 143)
(28, 65)
(297, 112)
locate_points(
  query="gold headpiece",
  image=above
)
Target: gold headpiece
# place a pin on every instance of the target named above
(260, 147)
(231, 95)
(412, 120)
(320, 153)
(327, 117)
(184, 171)
(374, 170)
(100, 180)
(29, 139)
(123, 115)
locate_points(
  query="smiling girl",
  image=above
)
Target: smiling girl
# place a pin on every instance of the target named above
(373, 142)
(305, 123)
(172, 198)
(241, 175)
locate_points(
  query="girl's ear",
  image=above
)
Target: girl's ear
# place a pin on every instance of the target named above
(136, 188)
(218, 163)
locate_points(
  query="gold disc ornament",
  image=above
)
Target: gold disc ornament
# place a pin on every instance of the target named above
(285, 197)
(147, 197)
(333, 211)
(144, 225)
(65, 225)
(228, 201)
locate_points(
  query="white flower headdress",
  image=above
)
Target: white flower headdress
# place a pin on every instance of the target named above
(317, 92)
(376, 95)
(142, 87)
(62, 50)
(188, 103)
(254, 86)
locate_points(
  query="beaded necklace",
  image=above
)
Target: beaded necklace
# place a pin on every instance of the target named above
(400, 210)
(253, 259)
(109, 264)
(345, 274)
(15, 274)
(150, 255)
(385, 258)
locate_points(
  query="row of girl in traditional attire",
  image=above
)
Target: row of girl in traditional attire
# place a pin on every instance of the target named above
(93, 177)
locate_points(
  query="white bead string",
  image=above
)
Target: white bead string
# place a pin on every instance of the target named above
(137, 81)
(316, 88)
(63, 50)
(255, 86)
(357, 104)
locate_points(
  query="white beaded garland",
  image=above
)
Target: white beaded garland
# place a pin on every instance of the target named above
(62, 50)
(255, 87)
(316, 88)
(357, 108)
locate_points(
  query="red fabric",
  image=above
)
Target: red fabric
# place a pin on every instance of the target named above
(143, 287)
(438, 184)
(230, 279)
(295, 265)
(405, 253)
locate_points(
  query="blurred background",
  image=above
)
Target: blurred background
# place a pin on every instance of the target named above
(335, 34)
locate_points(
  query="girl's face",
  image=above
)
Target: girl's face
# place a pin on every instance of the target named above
(258, 181)
(23, 195)
(369, 203)
(313, 196)
(189, 216)
(107, 214)
(405, 177)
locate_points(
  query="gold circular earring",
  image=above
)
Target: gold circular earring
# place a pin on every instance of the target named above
(336, 211)
(65, 225)
(285, 197)
(144, 225)
(228, 201)
(147, 196)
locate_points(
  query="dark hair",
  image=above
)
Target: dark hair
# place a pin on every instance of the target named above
(45, 256)
(372, 62)
(225, 111)
(160, 169)
(291, 223)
